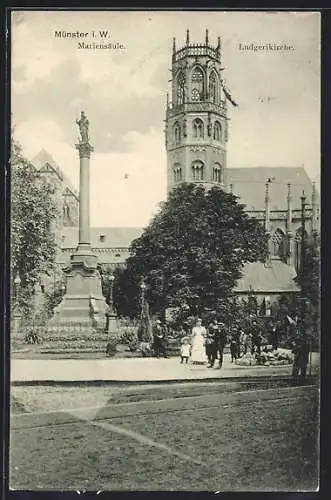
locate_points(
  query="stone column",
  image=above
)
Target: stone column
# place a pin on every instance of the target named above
(83, 305)
(303, 232)
(267, 219)
(290, 253)
(85, 151)
(314, 218)
(267, 208)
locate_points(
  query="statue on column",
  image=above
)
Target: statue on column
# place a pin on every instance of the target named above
(83, 124)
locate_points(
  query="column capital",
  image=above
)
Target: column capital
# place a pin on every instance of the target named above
(85, 149)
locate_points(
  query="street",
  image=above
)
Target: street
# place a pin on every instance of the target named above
(211, 440)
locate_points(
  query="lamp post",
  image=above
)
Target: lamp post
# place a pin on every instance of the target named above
(142, 288)
(145, 329)
(110, 293)
(111, 325)
(303, 231)
(16, 311)
(306, 321)
(17, 282)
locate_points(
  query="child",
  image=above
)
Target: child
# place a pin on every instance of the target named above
(185, 350)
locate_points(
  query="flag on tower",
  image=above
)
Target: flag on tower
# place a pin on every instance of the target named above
(228, 95)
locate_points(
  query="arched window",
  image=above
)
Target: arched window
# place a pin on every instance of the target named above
(177, 172)
(197, 85)
(195, 95)
(177, 133)
(279, 244)
(213, 88)
(217, 173)
(180, 88)
(198, 128)
(217, 131)
(197, 171)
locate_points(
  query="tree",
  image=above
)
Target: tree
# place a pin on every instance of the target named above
(309, 276)
(309, 281)
(33, 244)
(192, 253)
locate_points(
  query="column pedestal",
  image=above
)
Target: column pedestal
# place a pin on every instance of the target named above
(112, 325)
(83, 305)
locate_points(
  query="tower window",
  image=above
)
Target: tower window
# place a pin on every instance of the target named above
(177, 133)
(213, 88)
(177, 172)
(198, 128)
(217, 131)
(217, 173)
(197, 85)
(195, 95)
(180, 88)
(102, 237)
(197, 171)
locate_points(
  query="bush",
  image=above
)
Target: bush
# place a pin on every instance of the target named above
(111, 348)
(134, 345)
(130, 339)
(146, 349)
(128, 336)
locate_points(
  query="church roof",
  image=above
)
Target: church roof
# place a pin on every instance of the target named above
(102, 237)
(278, 277)
(249, 184)
(43, 157)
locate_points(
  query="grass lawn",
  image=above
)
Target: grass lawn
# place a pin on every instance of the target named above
(246, 442)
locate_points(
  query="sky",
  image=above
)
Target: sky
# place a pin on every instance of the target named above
(123, 92)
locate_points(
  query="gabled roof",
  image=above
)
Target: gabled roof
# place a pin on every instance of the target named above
(113, 237)
(42, 159)
(249, 184)
(277, 277)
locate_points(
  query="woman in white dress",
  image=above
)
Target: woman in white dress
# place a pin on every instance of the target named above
(198, 352)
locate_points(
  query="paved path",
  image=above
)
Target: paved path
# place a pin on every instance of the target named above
(133, 370)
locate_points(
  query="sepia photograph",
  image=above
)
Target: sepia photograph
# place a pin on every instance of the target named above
(164, 250)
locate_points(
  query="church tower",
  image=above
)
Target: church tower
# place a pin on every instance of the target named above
(196, 129)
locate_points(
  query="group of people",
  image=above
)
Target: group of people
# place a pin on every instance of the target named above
(206, 344)
(32, 338)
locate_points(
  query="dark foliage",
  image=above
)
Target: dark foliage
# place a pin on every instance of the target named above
(192, 253)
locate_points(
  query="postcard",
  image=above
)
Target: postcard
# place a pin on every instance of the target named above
(165, 246)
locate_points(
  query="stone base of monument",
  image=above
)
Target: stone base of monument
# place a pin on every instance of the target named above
(83, 301)
(80, 319)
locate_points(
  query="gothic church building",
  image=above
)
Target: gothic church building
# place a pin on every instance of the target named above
(196, 136)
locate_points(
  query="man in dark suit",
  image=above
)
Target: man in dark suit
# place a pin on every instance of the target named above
(220, 338)
(159, 340)
(300, 349)
(210, 344)
(256, 333)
